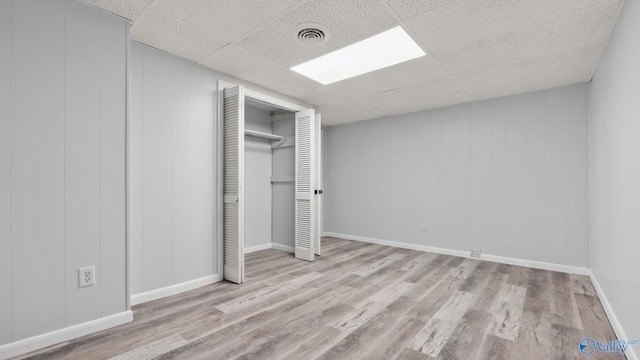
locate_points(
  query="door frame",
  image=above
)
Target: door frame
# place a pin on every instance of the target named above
(219, 166)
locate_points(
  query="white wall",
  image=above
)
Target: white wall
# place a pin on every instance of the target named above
(172, 159)
(615, 170)
(257, 179)
(62, 165)
(508, 175)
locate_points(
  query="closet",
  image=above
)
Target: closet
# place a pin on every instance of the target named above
(271, 178)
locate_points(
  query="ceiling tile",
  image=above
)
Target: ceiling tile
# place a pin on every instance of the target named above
(494, 90)
(465, 21)
(236, 61)
(128, 9)
(406, 9)
(439, 92)
(346, 112)
(409, 73)
(424, 103)
(322, 95)
(584, 4)
(564, 78)
(227, 19)
(165, 32)
(409, 95)
(551, 36)
(346, 21)
(583, 57)
(287, 82)
(489, 91)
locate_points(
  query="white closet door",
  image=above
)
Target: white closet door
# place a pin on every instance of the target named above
(233, 208)
(305, 185)
(318, 168)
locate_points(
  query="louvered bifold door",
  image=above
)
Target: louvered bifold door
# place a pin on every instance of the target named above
(305, 185)
(318, 172)
(233, 208)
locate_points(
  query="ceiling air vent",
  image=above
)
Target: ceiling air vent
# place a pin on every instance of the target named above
(311, 34)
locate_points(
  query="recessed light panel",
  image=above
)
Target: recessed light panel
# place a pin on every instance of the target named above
(385, 49)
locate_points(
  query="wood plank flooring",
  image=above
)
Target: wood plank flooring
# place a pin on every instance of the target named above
(362, 301)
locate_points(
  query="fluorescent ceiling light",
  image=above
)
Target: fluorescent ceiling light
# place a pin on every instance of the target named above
(385, 49)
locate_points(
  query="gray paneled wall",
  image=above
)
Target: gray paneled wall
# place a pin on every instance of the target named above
(62, 165)
(615, 170)
(172, 182)
(5, 172)
(257, 180)
(508, 175)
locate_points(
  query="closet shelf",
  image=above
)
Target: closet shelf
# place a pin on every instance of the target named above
(266, 136)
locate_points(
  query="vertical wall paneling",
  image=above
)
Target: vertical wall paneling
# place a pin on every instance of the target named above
(5, 173)
(535, 172)
(339, 177)
(497, 178)
(480, 174)
(62, 164)
(462, 180)
(448, 186)
(171, 177)
(578, 191)
(158, 258)
(201, 172)
(515, 149)
(434, 180)
(112, 164)
(401, 180)
(180, 169)
(556, 173)
(373, 197)
(420, 178)
(326, 178)
(37, 167)
(615, 171)
(136, 170)
(489, 172)
(81, 150)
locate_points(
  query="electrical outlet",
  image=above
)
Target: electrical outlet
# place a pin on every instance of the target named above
(86, 276)
(424, 228)
(475, 253)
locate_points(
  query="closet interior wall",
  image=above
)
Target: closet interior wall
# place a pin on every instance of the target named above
(284, 161)
(269, 179)
(258, 161)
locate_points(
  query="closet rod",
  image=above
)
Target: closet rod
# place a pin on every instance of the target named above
(265, 136)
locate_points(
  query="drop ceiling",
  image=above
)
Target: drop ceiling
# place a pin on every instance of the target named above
(476, 49)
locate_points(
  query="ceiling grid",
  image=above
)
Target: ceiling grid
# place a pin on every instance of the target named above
(475, 49)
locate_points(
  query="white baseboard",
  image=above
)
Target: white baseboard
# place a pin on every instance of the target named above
(281, 247)
(256, 248)
(460, 253)
(173, 289)
(51, 338)
(613, 319)
(537, 264)
(269, 246)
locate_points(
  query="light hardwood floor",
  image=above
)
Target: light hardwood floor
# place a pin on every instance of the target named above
(363, 301)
